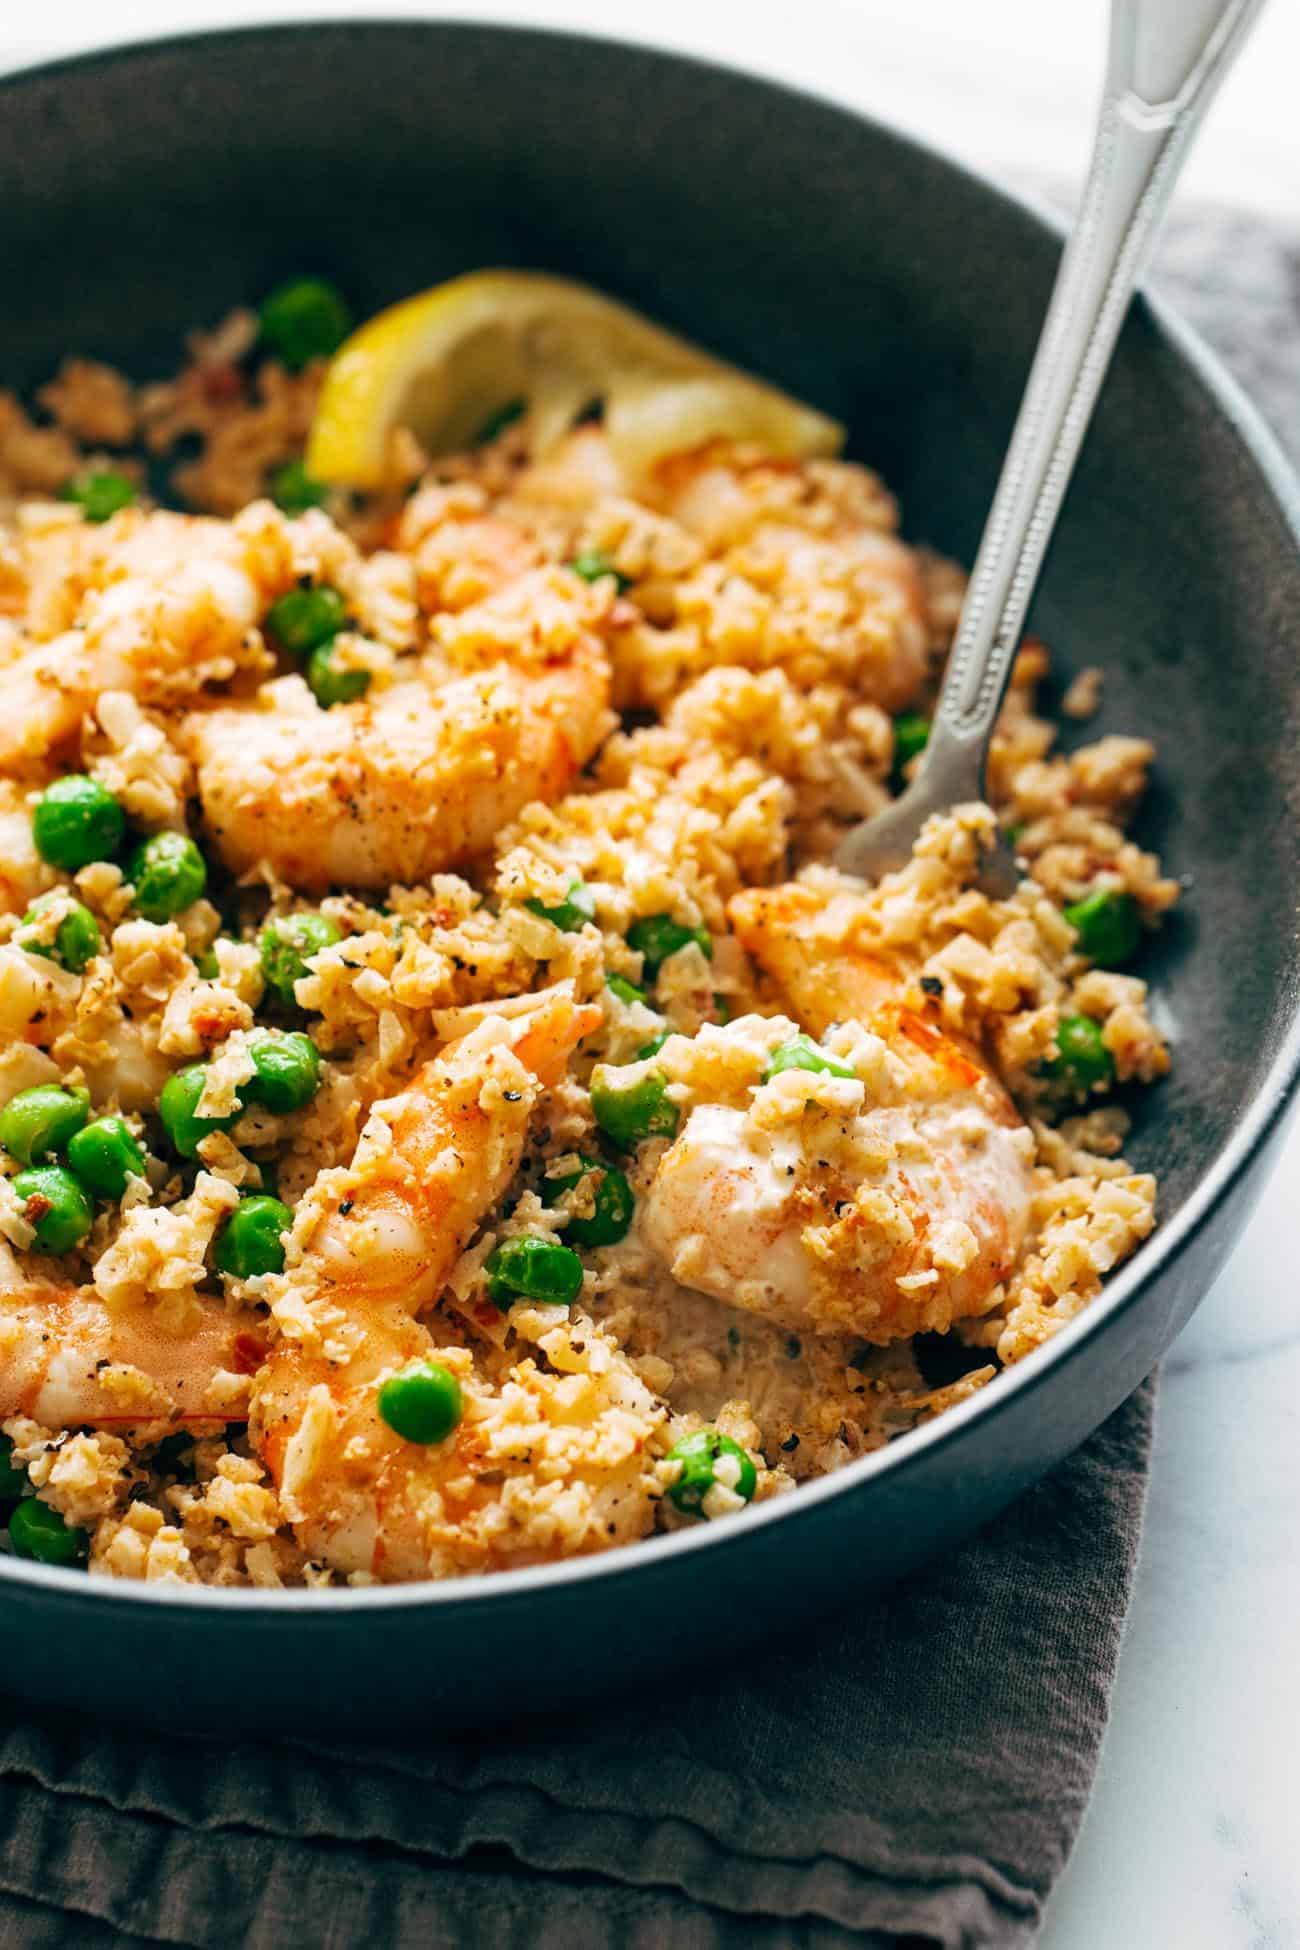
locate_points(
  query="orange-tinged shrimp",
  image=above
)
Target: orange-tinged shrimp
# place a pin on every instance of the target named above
(827, 978)
(70, 1362)
(172, 604)
(545, 1461)
(823, 1209)
(396, 787)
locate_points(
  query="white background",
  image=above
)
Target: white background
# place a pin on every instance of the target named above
(1193, 1838)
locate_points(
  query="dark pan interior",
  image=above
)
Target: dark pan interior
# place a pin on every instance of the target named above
(141, 194)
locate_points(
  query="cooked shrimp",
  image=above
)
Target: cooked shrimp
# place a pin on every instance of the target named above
(823, 1210)
(172, 602)
(539, 1452)
(394, 787)
(69, 1361)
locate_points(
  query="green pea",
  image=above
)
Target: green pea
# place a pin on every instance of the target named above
(911, 736)
(302, 619)
(177, 1109)
(38, 1532)
(1083, 1060)
(56, 1206)
(168, 874)
(1107, 925)
(303, 320)
(533, 1269)
(656, 936)
(288, 944)
(629, 1108)
(37, 1123)
(286, 1071)
(76, 938)
(423, 1403)
(206, 963)
(293, 489)
(571, 914)
(13, 1477)
(592, 563)
(104, 1155)
(626, 991)
(699, 1455)
(99, 492)
(77, 820)
(802, 1053)
(653, 1047)
(612, 1205)
(496, 423)
(252, 1239)
(329, 683)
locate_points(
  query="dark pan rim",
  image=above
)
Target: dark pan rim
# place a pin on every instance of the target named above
(1276, 1094)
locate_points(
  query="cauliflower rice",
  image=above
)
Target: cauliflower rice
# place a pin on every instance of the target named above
(583, 712)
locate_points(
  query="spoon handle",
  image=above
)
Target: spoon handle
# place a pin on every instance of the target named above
(1166, 58)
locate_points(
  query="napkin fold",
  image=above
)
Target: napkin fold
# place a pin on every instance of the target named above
(908, 1776)
(911, 1772)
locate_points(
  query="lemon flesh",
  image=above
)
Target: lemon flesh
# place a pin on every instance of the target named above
(445, 362)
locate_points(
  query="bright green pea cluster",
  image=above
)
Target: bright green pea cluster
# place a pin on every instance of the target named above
(37, 1125)
(612, 1204)
(167, 874)
(423, 1403)
(305, 623)
(533, 1269)
(699, 1455)
(1108, 926)
(286, 1076)
(656, 936)
(801, 1053)
(76, 937)
(572, 913)
(305, 319)
(77, 821)
(99, 492)
(286, 946)
(631, 1107)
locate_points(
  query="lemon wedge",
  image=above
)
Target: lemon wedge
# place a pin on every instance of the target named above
(445, 362)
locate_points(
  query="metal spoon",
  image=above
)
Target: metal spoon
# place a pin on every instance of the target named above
(1166, 58)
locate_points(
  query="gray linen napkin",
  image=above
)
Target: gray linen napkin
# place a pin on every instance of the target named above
(909, 1775)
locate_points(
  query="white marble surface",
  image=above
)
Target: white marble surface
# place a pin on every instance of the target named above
(1193, 1838)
